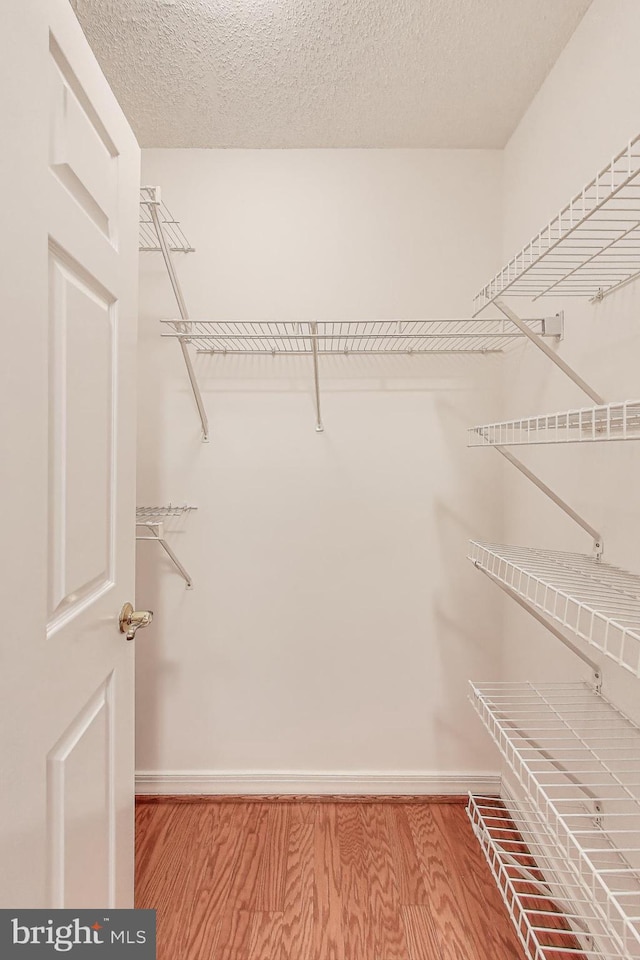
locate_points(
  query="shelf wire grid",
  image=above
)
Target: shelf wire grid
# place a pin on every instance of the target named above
(577, 757)
(589, 249)
(596, 601)
(609, 421)
(349, 337)
(147, 236)
(149, 516)
(552, 913)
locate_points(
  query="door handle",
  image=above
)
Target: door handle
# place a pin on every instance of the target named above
(131, 620)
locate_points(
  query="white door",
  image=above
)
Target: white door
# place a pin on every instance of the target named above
(68, 297)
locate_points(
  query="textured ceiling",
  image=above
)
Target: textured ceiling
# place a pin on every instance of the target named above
(326, 73)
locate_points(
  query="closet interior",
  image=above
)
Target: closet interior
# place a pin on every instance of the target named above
(563, 842)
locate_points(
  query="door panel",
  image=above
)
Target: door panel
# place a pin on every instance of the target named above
(81, 821)
(81, 440)
(68, 265)
(83, 155)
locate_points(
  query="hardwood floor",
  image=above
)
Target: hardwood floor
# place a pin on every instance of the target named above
(313, 880)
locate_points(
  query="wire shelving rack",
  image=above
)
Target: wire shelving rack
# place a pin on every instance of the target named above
(150, 525)
(609, 421)
(577, 757)
(596, 601)
(340, 337)
(589, 249)
(147, 235)
(553, 914)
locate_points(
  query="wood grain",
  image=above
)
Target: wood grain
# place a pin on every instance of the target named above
(412, 887)
(299, 892)
(328, 933)
(248, 879)
(388, 933)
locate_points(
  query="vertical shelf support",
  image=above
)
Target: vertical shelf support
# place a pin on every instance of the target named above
(182, 307)
(316, 376)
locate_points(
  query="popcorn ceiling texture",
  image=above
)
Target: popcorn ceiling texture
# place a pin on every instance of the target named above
(326, 73)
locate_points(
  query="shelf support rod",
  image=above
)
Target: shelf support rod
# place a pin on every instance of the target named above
(165, 546)
(541, 345)
(598, 541)
(182, 307)
(531, 610)
(316, 376)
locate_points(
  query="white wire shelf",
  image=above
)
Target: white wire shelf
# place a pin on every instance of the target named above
(554, 917)
(159, 514)
(148, 237)
(609, 421)
(597, 602)
(589, 249)
(150, 525)
(577, 757)
(350, 337)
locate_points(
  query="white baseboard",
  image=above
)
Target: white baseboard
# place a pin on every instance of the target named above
(366, 783)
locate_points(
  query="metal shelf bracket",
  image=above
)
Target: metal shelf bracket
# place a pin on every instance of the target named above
(541, 345)
(316, 377)
(151, 520)
(558, 330)
(152, 201)
(596, 669)
(598, 539)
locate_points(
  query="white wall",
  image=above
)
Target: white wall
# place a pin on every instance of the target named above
(584, 113)
(335, 619)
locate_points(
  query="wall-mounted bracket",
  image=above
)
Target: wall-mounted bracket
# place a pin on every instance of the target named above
(553, 326)
(541, 345)
(151, 198)
(595, 668)
(151, 520)
(598, 540)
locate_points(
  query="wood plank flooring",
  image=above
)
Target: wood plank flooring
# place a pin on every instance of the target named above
(313, 880)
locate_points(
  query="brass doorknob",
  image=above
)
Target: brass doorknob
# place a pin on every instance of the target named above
(131, 620)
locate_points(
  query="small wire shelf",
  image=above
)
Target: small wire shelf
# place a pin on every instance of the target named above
(149, 515)
(598, 602)
(609, 421)
(590, 249)
(147, 235)
(553, 915)
(150, 522)
(577, 757)
(338, 337)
